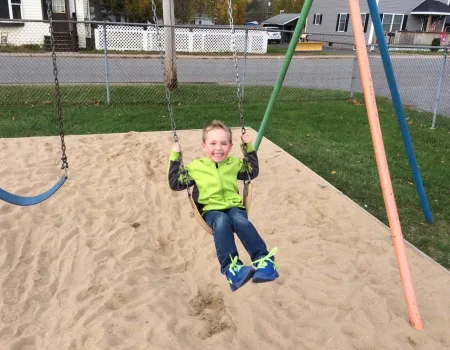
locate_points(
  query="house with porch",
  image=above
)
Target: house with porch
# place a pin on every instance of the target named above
(415, 22)
(68, 37)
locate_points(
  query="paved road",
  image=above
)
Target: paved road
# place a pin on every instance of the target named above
(417, 76)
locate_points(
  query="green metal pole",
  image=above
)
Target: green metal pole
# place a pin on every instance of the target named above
(287, 60)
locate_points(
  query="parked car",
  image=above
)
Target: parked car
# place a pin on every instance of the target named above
(273, 35)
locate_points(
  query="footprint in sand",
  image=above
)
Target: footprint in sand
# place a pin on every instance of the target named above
(28, 342)
(90, 292)
(210, 308)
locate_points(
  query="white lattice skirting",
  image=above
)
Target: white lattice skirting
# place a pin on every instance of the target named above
(134, 38)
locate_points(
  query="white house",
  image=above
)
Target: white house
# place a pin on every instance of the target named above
(424, 19)
(14, 33)
(201, 19)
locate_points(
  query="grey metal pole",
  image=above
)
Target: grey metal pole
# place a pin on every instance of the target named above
(105, 46)
(439, 89)
(354, 70)
(245, 63)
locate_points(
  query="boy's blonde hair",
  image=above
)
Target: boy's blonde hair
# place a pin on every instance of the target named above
(216, 124)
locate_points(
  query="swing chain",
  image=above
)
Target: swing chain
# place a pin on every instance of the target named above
(236, 69)
(166, 88)
(65, 164)
(238, 83)
(169, 103)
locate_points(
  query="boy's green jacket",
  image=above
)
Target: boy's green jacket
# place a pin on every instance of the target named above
(215, 184)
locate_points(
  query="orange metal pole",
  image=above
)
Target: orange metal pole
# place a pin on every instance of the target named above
(382, 164)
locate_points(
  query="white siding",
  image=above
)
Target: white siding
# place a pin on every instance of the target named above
(33, 33)
(81, 28)
(30, 33)
(330, 14)
(31, 9)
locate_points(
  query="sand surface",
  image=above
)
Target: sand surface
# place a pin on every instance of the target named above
(114, 261)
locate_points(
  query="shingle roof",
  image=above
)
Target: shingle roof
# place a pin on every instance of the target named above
(431, 7)
(282, 19)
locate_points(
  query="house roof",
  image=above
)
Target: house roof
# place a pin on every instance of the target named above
(432, 7)
(282, 19)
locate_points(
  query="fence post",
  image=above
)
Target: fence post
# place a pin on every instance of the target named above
(105, 46)
(352, 84)
(191, 40)
(97, 38)
(245, 62)
(145, 39)
(439, 89)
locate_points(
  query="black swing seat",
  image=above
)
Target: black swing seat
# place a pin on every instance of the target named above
(27, 201)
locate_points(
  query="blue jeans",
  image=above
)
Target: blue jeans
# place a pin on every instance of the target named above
(224, 223)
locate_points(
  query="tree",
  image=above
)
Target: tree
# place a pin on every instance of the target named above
(221, 14)
(239, 11)
(254, 6)
(258, 10)
(184, 10)
(289, 6)
(111, 6)
(138, 10)
(141, 10)
(205, 7)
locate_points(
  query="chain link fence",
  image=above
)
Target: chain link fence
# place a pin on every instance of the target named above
(92, 73)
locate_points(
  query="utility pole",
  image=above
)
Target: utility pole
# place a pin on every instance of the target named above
(170, 61)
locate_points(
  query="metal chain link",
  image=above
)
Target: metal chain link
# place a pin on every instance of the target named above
(236, 69)
(169, 102)
(64, 164)
(238, 84)
(166, 88)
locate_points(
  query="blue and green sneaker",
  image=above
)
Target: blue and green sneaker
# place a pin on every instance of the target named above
(266, 269)
(238, 274)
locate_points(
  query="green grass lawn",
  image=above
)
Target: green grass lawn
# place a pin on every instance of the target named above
(332, 137)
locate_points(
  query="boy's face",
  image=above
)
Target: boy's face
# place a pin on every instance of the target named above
(217, 145)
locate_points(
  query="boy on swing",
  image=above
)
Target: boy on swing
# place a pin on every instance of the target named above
(216, 195)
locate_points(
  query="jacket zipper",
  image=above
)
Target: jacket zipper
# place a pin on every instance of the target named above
(221, 184)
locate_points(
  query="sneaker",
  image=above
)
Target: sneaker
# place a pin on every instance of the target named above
(266, 269)
(238, 274)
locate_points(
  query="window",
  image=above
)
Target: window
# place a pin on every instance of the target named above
(397, 23)
(342, 22)
(392, 22)
(317, 20)
(11, 9)
(363, 19)
(59, 6)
